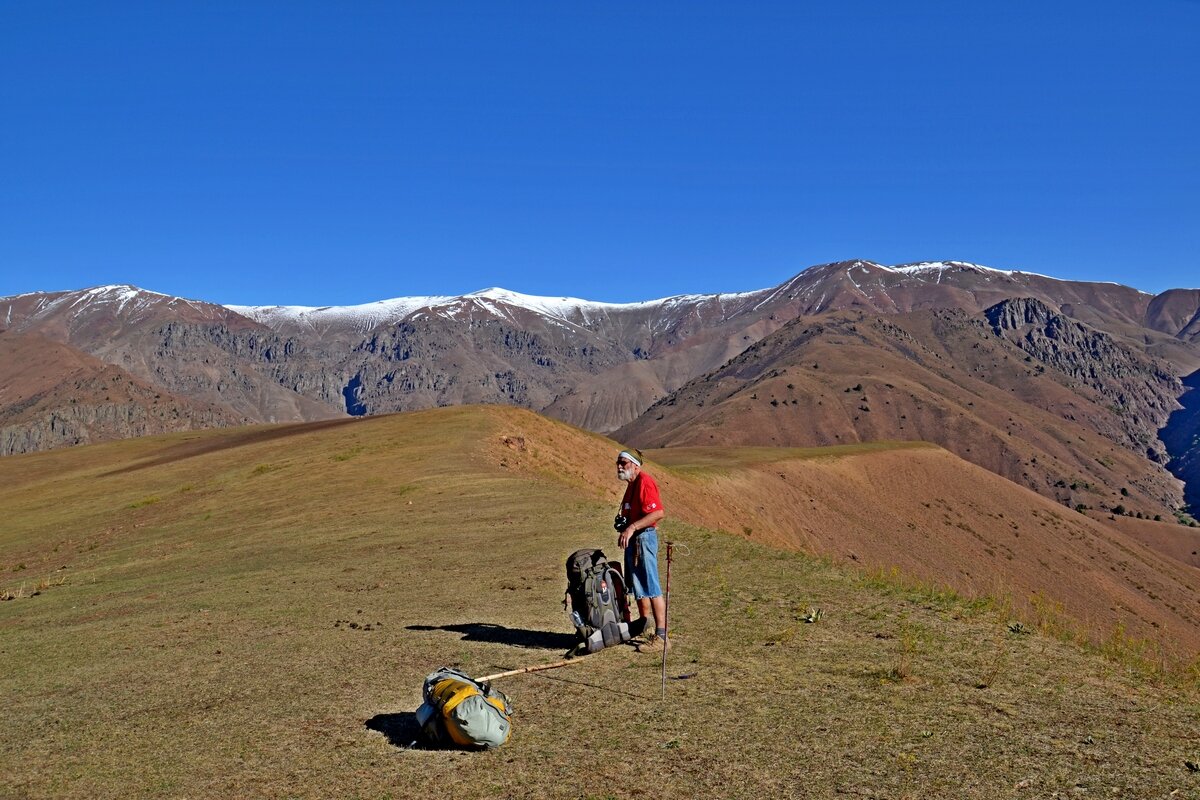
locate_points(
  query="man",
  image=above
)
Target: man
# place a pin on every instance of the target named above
(641, 510)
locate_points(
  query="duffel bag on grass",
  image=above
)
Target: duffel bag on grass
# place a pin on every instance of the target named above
(461, 712)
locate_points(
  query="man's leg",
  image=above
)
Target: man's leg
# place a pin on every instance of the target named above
(645, 605)
(659, 604)
(656, 600)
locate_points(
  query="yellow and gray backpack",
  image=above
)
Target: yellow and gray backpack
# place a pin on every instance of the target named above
(461, 712)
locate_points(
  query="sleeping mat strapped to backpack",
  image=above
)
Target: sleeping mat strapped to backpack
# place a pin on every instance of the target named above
(596, 600)
(461, 712)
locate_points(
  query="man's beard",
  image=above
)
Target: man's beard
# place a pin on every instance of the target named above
(622, 475)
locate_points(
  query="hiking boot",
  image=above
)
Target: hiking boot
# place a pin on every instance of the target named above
(654, 644)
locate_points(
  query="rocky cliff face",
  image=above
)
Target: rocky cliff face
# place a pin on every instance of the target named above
(187, 348)
(254, 371)
(1141, 391)
(943, 376)
(52, 395)
(87, 423)
(433, 361)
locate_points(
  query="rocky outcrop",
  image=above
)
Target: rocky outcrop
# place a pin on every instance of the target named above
(435, 362)
(942, 376)
(87, 423)
(1141, 390)
(52, 395)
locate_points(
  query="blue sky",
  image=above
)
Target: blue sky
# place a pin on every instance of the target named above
(312, 153)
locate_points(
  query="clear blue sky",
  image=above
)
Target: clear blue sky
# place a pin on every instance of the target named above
(311, 153)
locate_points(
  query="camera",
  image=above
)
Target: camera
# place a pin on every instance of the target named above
(621, 522)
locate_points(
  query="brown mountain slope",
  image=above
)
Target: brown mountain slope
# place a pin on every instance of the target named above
(939, 376)
(866, 285)
(52, 395)
(929, 514)
(1176, 312)
(600, 365)
(1139, 389)
(189, 348)
(1177, 542)
(593, 364)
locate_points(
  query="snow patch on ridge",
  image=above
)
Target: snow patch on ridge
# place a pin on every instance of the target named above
(122, 300)
(570, 312)
(923, 268)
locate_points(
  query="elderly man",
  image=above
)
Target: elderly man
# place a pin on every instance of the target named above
(641, 510)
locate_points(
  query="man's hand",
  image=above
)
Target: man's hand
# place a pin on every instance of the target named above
(623, 539)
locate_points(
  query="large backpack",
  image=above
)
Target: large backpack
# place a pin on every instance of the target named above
(461, 712)
(596, 600)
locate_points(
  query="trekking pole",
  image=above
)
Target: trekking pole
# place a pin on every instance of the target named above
(667, 619)
(523, 670)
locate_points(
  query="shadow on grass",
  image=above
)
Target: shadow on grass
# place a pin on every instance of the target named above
(498, 634)
(401, 729)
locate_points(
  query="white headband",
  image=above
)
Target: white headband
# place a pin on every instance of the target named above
(629, 456)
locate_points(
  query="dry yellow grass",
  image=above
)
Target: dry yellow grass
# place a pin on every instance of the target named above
(262, 629)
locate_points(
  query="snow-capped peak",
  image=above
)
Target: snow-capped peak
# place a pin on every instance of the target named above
(120, 293)
(927, 267)
(495, 300)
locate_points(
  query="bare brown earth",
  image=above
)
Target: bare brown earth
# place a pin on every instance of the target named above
(938, 376)
(1167, 538)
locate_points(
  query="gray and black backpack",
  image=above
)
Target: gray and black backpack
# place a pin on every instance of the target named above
(596, 600)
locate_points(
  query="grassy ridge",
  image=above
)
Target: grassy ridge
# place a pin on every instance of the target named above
(254, 616)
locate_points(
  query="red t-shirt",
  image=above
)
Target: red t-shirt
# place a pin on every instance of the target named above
(641, 498)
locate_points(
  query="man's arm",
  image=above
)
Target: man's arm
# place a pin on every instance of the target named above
(648, 521)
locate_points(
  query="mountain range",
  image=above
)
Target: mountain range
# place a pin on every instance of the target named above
(1078, 390)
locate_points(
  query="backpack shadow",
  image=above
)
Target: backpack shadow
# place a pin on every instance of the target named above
(499, 634)
(401, 729)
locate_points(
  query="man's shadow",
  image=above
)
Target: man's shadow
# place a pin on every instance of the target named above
(401, 729)
(498, 634)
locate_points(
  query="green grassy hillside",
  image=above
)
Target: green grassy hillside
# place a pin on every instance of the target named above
(251, 613)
